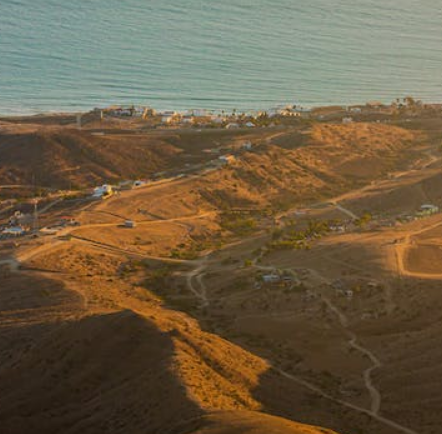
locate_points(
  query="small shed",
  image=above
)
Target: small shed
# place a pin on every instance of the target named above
(130, 224)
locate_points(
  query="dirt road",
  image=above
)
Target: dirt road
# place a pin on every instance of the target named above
(200, 292)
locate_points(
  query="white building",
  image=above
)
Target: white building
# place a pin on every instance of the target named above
(15, 231)
(227, 159)
(199, 113)
(218, 120)
(247, 146)
(427, 210)
(130, 224)
(188, 119)
(271, 278)
(232, 126)
(102, 192)
(170, 116)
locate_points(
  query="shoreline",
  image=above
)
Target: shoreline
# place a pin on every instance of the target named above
(138, 117)
(28, 113)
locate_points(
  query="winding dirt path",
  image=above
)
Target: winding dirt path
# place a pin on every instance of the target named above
(375, 395)
(400, 252)
(197, 275)
(344, 210)
(376, 398)
(197, 286)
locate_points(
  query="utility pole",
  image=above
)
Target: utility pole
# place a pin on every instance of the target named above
(79, 115)
(36, 215)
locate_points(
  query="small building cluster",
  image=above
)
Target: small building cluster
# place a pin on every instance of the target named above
(277, 278)
(129, 111)
(19, 224)
(288, 111)
(13, 232)
(427, 210)
(340, 287)
(202, 117)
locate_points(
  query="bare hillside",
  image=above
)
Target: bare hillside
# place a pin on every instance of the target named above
(67, 157)
(169, 326)
(98, 357)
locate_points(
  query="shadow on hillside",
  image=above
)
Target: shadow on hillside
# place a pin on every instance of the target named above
(282, 397)
(110, 373)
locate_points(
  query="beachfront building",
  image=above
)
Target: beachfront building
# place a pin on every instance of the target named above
(119, 111)
(170, 117)
(375, 105)
(232, 126)
(292, 111)
(217, 119)
(199, 113)
(148, 112)
(357, 110)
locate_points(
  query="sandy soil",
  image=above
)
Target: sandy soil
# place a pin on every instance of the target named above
(102, 330)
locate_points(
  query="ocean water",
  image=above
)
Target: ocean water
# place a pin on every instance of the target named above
(57, 55)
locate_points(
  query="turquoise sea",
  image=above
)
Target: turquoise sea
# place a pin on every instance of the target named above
(57, 55)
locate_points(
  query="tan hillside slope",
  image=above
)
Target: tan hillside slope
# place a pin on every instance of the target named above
(321, 157)
(86, 348)
(59, 158)
(327, 160)
(66, 369)
(330, 159)
(244, 422)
